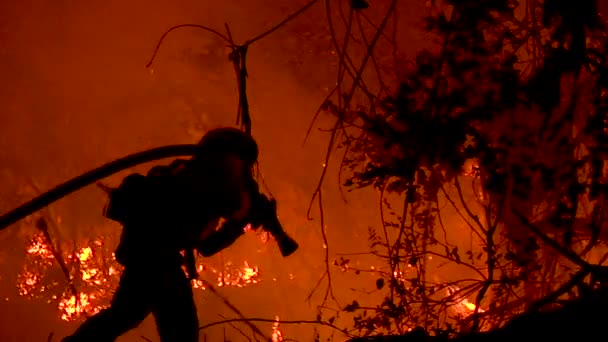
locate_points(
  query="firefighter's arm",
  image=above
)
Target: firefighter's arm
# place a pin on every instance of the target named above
(230, 230)
(225, 236)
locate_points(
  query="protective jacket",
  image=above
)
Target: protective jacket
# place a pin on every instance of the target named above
(162, 215)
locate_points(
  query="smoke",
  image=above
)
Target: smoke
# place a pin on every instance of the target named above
(76, 94)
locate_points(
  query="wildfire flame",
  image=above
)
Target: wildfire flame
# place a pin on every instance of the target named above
(238, 277)
(88, 269)
(463, 305)
(38, 247)
(71, 308)
(85, 254)
(96, 275)
(469, 305)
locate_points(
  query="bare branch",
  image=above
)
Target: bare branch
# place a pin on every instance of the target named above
(268, 320)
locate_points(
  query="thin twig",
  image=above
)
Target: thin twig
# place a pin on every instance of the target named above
(552, 243)
(383, 86)
(577, 278)
(314, 289)
(317, 193)
(473, 229)
(348, 99)
(466, 207)
(237, 329)
(319, 110)
(43, 227)
(268, 320)
(233, 308)
(202, 27)
(329, 290)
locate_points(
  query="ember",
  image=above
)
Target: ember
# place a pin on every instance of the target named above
(39, 247)
(277, 335)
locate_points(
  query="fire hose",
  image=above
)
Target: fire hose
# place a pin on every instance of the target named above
(286, 244)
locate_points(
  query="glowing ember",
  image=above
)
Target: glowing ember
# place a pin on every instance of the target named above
(38, 247)
(198, 284)
(239, 277)
(85, 254)
(277, 335)
(27, 282)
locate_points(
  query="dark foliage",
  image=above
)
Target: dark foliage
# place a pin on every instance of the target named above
(514, 103)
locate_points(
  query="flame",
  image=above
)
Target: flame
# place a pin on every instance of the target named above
(248, 272)
(239, 277)
(88, 274)
(85, 254)
(469, 305)
(92, 274)
(72, 308)
(462, 306)
(230, 276)
(95, 274)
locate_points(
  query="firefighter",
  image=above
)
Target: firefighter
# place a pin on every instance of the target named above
(172, 209)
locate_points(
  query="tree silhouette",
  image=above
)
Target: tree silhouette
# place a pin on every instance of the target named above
(505, 121)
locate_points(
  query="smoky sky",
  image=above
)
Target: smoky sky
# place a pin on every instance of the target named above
(75, 93)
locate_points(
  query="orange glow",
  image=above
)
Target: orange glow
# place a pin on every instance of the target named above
(462, 305)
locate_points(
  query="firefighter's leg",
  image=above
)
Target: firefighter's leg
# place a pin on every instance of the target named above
(130, 306)
(174, 309)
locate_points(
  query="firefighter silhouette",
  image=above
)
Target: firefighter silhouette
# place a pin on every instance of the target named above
(174, 208)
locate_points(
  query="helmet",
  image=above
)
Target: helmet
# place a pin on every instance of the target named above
(228, 140)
